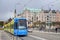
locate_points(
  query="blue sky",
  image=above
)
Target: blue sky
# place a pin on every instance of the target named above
(7, 6)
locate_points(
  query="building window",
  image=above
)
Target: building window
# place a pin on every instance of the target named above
(53, 11)
(46, 11)
(47, 19)
(47, 16)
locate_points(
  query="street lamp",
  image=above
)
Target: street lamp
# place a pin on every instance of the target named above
(15, 12)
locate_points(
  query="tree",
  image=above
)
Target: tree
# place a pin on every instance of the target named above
(37, 23)
(43, 23)
(55, 23)
(9, 20)
(1, 23)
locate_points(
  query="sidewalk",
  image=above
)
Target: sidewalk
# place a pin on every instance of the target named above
(46, 32)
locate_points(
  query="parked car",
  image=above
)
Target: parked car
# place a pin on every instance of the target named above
(30, 29)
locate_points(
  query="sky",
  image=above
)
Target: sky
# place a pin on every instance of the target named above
(7, 6)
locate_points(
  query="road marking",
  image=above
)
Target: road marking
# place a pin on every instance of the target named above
(37, 37)
(0, 35)
(54, 36)
(47, 32)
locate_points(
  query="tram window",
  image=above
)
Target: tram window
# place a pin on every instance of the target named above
(15, 25)
(22, 22)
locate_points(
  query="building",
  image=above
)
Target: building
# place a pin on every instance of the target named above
(58, 16)
(50, 16)
(47, 16)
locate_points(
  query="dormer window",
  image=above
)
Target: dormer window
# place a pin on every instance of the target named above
(53, 11)
(46, 11)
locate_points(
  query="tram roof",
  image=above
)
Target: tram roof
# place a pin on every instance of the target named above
(19, 18)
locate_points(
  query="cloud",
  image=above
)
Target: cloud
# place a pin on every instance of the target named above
(9, 5)
(6, 15)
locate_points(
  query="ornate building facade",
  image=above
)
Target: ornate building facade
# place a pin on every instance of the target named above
(47, 16)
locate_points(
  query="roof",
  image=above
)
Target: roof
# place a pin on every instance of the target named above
(19, 18)
(46, 11)
(53, 11)
(33, 10)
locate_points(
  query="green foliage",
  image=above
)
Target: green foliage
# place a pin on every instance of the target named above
(36, 24)
(43, 23)
(1, 23)
(55, 23)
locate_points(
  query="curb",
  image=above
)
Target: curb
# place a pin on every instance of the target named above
(8, 32)
(46, 32)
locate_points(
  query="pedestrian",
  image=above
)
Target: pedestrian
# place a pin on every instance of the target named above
(40, 28)
(56, 30)
(3, 26)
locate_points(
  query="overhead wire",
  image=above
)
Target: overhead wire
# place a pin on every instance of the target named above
(27, 3)
(49, 3)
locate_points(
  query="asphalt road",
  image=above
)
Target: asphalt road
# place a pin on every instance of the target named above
(47, 35)
(31, 36)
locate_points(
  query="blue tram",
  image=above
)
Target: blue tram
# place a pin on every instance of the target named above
(20, 26)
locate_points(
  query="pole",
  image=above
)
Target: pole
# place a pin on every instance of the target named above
(14, 17)
(15, 13)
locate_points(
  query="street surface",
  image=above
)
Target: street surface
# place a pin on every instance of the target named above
(35, 35)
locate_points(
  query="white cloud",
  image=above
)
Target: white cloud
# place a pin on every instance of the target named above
(6, 15)
(8, 5)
